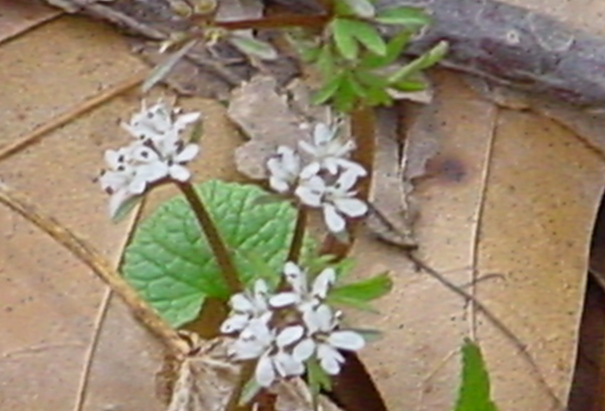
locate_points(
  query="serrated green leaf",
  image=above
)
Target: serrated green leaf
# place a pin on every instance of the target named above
(171, 265)
(474, 392)
(162, 70)
(364, 290)
(426, 60)
(253, 47)
(406, 16)
(360, 8)
(344, 38)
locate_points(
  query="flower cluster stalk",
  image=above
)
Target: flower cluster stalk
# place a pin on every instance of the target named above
(298, 236)
(220, 250)
(363, 129)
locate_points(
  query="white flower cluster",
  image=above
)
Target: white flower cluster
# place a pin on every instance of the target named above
(156, 153)
(326, 182)
(285, 329)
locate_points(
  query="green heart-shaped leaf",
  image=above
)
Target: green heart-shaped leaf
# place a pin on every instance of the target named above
(172, 266)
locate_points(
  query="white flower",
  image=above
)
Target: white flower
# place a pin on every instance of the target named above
(301, 296)
(284, 169)
(254, 340)
(246, 306)
(157, 154)
(336, 201)
(279, 362)
(325, 339)
(329, 153)
(159, 122)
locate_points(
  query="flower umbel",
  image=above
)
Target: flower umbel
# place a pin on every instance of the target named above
(285, 329)
(157, 153)
(326, 181)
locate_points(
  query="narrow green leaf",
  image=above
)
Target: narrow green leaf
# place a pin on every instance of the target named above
(249, 391)
(253, 47)
(426, 60)
(325, 61)
(394, 50)
(162, 70)
(368, 35)
(474, 392)
(317, 377)
(327, 91)
(360, 8)
(197, 131)
(171, 265)
(406, 16)
(409, 85)
(343, 33)
(364, 290)
(125, 209)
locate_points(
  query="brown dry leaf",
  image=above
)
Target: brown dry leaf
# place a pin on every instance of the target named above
(65, 343)
(510, 193)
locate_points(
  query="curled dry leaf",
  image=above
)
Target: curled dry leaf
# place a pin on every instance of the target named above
(207, 379)
(266, 119)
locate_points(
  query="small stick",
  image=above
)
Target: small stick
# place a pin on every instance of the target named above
(99, 265)
(68, 116)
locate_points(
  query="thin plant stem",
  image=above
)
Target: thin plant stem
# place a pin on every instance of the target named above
(246, 373)
(298, 236)
(99, 265)
(272, 22)
(220, 250)
(363, 130)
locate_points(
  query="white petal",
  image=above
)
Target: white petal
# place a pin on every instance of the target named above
(179, 172)
(243, 349)
(234, 323)
(334, 221)
(289, 335)
(308, 194)
(241, 302)
(309, 148)
(183, 120)
(295, 277)
(323, 134)
(112, 158)
(353, 207)
(284, 299)
(346, 340)
(260, 288)
(278, 184)
(187, 154)
(303, 350)
(346, 181)
(286, 365)
(264, 373)
(310, 170)
(331, 164)
(324, 318)
(352, 167)
(329, 359)
(322, 283)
